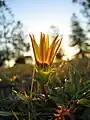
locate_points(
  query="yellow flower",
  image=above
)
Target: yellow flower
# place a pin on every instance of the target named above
(43, 53)
(13, 78)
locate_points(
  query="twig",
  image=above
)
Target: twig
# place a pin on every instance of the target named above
(32, 82)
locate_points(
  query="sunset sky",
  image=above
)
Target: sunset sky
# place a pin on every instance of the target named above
(39, 15)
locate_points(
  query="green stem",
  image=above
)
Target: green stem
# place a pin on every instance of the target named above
(32, 82)
(44, 91)
(28, 111)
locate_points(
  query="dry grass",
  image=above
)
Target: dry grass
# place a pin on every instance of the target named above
(82, 66)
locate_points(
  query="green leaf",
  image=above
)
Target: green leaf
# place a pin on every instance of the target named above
(22, 97)
(15, 115)
(3, 113)
(84, 102)
(86, 114)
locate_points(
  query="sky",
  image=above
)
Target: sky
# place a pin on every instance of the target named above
(38, 15)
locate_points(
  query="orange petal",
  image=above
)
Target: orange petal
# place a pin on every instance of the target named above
(46, 46)
(42, 47)
(35, 49)
(58, 43)
(51, 50)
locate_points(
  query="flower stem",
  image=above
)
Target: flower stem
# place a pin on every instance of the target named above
(44, 91)
(32, 82)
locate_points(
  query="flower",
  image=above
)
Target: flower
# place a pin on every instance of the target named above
(43, 53)
(61, 112)
(13, 78)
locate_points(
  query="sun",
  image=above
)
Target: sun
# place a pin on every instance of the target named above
(69, 52)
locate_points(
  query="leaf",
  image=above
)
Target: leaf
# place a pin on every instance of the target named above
(84, 102)
(86, 114)
(74, 78)
(3, 113)
(22, 97)
(15, 115)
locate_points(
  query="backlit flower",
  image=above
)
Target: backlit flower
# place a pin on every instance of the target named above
(44, 53)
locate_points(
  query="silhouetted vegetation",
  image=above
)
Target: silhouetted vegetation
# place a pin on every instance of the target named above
(78, 37)
(85, 11)
(81, 27)
(53, 31)
(12, 37)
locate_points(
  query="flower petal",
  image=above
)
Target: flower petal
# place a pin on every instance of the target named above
(51, 50)
(58, 43)
(46, 46)
(35, 49)
(42, 47)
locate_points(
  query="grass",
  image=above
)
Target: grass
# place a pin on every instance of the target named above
(74, 93)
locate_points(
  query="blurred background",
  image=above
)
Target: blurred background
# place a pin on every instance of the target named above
(70, 19)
